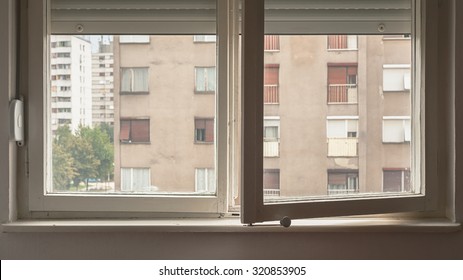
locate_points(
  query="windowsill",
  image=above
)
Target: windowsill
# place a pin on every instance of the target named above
(134, 92)
(232, 224)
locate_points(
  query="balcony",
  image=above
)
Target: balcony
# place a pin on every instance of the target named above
(342, 94)
(342, 147)
(272, 43)
(271, 192)
(271, 94)
(271, 148)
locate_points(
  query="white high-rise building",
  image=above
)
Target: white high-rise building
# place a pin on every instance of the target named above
(71, 82)
(103, 84)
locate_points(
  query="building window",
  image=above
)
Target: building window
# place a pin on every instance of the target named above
(271, 137)
(135, 179)
(271, 182)
(342, 137)
(271, 42)
(342, 83)
(342, 42)
(204, 38)
(396, 180)
(135, 131)
(204, 130)
(342, 182)
(134, 39)
(271, 82)
(134, 80)
(396, 77)
(205, 180)
(205, 79)
(396, 129)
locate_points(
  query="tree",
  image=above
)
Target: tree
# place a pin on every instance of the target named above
(102, 148)
(62, 161)
(86, 163)
(63, 168)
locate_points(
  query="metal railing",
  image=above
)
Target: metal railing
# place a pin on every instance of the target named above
(346, 93)
(271, 192)
(271, 95)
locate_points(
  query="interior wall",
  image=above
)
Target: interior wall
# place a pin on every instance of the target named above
(141, 245)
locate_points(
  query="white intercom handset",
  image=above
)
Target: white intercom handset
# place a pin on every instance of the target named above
(17, 121)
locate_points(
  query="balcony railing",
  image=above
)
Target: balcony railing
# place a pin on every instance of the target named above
(342, 147)
(271, 192)
(271, 94)
(342, 42)
(342, 93)
(272, 42)
(271, 148)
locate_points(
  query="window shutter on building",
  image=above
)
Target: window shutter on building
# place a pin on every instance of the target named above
(271, 179)
(271, 74)
(125, 130)
(209, 130)
(140, 131)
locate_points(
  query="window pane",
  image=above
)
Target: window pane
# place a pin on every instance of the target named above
(343, 117)
(124, 116)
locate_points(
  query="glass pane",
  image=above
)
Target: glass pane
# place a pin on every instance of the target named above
(122, 114)
(344, 107)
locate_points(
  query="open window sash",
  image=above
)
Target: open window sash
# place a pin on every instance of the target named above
(315, 18)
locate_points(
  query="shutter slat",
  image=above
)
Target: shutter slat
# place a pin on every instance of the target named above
(133, 17)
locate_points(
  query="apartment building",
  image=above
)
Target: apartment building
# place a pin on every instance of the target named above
(336, 114)
(71, 82)
(103, 83)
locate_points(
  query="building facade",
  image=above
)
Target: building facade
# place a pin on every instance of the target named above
(337, 114)
(71, 82)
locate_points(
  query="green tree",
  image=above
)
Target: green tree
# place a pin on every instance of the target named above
(103, 150)
(86, 163)
(62, 161)
(63, 168)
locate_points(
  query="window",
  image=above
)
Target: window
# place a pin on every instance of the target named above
(205, 79)
(271, 137)
(134, 80)
(204, 130)
(396, 77)
(342, 137)
(305, 86)
(342, 42)
(342, 83)
(271, 182)
(342, 181)
(271, 81)
(204, 38)
(396, 129)
(271, 43)
(135, 131)
(205, 180)
(135, 180)
(134, 39)
(396, 180)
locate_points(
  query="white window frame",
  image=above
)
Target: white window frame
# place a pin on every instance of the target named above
(37, 158)
(86, 205)
(253, 207)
